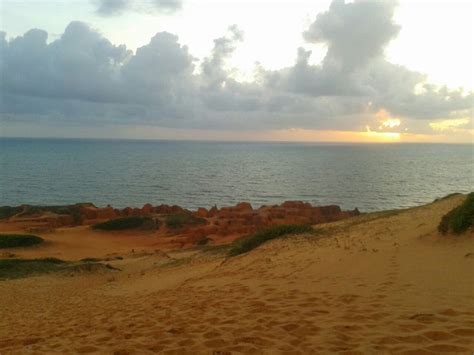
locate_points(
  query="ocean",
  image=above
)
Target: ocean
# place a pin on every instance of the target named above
(202, 174)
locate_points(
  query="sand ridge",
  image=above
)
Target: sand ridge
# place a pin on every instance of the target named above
(377, 283)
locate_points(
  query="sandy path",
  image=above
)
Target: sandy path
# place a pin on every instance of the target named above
(374, 284)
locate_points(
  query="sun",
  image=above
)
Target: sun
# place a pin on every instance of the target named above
(377, 136)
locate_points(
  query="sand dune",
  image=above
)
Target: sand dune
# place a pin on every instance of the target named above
(377, 283)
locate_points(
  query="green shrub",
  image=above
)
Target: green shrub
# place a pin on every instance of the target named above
(177, 221)
(459, 219)
(7, 211)
(19, 240)
(245, 245)
(17, 268)
(146, 223)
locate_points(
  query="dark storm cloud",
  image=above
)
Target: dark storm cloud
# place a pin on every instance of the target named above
(83, 78)
(117, 7)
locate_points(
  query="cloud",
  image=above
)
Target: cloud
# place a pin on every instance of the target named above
(160, 73)
(213, 67)
(111, 7)
(167, 5)
(83, 79)
(219, 91)
(80, 65)
(356, 35)
(118, 7)
(450, 125)
(353, 32)
(407, 93)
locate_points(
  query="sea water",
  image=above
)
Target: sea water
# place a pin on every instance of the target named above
(202, 174)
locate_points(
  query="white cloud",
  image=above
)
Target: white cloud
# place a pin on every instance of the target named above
(83, 78)
(118, 7)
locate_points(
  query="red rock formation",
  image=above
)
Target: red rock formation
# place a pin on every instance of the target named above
(222, 225)
(147, 209)
(244, 207)
(213, 211)
(88, 212)
(106, 213)
(202, 212)
(127, 212)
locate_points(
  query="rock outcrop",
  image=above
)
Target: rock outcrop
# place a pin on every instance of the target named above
(216, 225)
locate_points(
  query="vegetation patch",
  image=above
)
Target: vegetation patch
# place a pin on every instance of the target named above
(21, 268)
(26, 211)
(245, 245)
(19, 240)
(89, 267)
(459, 219)
(145, 223)
(18, 268)
(7, 211)
(59, 209)
(178, 221)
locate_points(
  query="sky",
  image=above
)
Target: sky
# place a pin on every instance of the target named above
(312, 71)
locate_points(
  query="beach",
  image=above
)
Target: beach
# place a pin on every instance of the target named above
(383, 282)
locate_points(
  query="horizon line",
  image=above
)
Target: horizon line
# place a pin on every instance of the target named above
(234, 141)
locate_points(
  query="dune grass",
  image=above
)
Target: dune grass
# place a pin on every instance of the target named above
(19, 240)
(245, 245)
(145, 223)
(459, 219)
(177, 221)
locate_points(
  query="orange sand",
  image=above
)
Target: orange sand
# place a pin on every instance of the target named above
(378, 283)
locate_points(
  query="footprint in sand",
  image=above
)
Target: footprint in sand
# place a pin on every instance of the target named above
(411, 327)
(464, 332)
(450, 312)
(348, 298)
(438, 335)
(447, 348)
